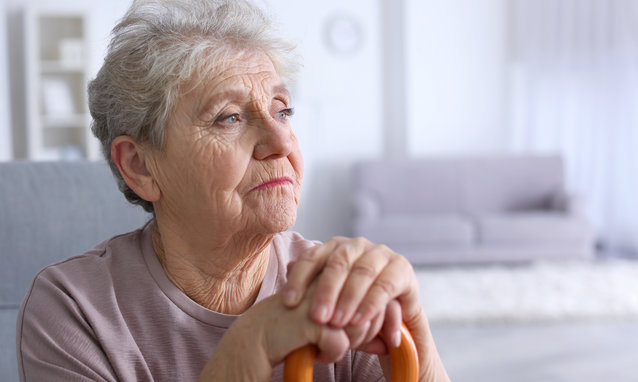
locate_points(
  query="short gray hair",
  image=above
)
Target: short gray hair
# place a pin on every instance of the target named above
(160, 45)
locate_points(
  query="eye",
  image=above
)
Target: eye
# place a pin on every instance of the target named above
(228, 119)
(285, 113)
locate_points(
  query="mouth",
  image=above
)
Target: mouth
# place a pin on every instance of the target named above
(272, 183)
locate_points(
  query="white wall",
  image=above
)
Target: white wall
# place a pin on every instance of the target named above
(457, 50)
(5, 120)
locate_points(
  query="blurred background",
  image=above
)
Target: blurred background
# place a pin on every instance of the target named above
(397, 79)
(403, 78)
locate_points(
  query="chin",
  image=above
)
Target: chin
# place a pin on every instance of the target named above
(280, 219)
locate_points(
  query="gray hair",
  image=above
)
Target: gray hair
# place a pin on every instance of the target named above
(160, 45)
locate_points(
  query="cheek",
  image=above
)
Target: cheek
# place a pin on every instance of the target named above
(222, 161)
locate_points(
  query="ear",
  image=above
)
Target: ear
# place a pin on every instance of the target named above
(130, 158)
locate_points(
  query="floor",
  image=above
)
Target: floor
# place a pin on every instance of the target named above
(548, 352)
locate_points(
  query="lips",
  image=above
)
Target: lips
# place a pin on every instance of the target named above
(272, 183)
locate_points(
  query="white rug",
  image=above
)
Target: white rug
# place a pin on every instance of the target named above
(536, 292)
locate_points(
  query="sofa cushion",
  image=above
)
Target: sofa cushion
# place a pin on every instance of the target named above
(8, 358)
(53, 210)
(449, 230)
(532, 229)
(402, 187)
(512, 183)
(490, 183)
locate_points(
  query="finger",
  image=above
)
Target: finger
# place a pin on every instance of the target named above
(392, 324)
(333, 277)
(302, 271)
(373, 343)
(395, 281)
(362, 275)
(357, 334)
(362, 334)
(376, 346)
(289, 266)
(291, 328)
(333, 344)
(391, 328)
(375, 326)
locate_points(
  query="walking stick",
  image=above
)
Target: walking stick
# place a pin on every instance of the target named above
(404, 361)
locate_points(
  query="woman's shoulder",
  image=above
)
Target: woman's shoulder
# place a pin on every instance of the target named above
(97, 258)
(94, 272)
(76, 305)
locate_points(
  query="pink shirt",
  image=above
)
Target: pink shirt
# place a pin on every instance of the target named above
(112, 314)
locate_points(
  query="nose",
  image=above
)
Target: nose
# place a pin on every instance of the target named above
(276, 140)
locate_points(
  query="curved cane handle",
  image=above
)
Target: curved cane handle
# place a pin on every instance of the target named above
(404, 361)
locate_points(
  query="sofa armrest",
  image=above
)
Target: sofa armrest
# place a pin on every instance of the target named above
(570, 203)
(366, 207)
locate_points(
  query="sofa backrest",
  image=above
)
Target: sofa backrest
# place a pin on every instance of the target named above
(50, 211)
(467, 184)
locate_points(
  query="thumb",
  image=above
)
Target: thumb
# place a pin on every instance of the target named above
(332, 343)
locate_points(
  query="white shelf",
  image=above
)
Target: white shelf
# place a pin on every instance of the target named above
(56, 68)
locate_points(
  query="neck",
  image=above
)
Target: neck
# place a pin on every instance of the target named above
(224, 278)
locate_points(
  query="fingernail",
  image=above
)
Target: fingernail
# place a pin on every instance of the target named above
(336, 319)
(290, 296)
(321, 313)
(356, 318)
(396, 339)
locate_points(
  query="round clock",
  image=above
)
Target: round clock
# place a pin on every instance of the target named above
(343, 34)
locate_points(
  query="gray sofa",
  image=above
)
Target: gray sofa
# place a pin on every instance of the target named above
(506, 208)
(48, 212)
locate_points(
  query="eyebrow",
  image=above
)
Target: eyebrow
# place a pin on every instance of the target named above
(239, 94)
(207, 103)
(236, 94)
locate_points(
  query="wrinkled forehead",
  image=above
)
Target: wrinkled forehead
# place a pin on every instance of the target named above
(236, 71)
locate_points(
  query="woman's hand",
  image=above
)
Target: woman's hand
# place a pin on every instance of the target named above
(265, 334)
(356, 281)
(358, 285)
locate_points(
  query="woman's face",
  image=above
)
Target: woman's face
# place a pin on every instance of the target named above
(231, 162)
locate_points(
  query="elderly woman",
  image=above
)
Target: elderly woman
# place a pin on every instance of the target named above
(194, 118)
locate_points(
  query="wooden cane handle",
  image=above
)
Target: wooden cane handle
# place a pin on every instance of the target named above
(404, 361)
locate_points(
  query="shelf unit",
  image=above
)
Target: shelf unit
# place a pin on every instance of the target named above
(56, 72)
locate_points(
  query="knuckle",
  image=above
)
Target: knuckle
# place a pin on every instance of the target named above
(384, 287)
(371, 306)
(409, 268)
(361, 241)
(384, 248)
(364, 270)
(336, 241)
(401, 261)
(310, 254)
(338, 263)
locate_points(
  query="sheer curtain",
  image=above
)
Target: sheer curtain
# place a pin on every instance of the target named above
(575, 91)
